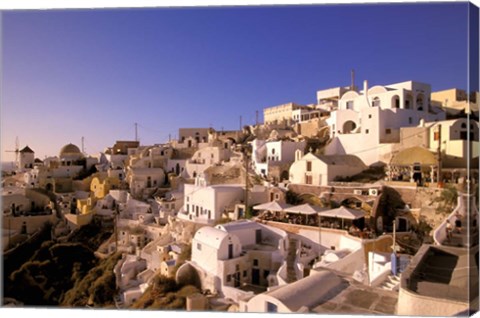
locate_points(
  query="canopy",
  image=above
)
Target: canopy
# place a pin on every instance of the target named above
(414, 155)
(306, 209)
(272, 206)
(343, 213)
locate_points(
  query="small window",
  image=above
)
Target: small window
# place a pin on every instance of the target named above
(309, 166)
(244, 273)
(388, 131)
(370, 116)
(376, 102)
(229, 278)
(199, 246)
(237, 267)
(410, 120)
(255, 262)
(367, 131)
(350, 104)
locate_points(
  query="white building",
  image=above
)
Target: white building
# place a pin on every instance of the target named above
(281, 114)
(205, 158)
(206, 204)
(141, 179)
(366, 123)
(151, 157)
(232, 255)
(266, 155)
(319, 170)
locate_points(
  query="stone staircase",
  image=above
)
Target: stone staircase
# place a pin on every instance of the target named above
(292, 255)
(391, 283)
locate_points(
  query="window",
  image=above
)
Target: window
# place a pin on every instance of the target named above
(244, 273)
(388, 131)
(273, 151)
(237, 268)
(350, 104)
(376, 102)
(188, 208)
(410, 120)
(229, 278)
(436, 135)
(309, 166)
(266, 273)
(370, 116)
(367, 131)
(199, 246)
(255, 262)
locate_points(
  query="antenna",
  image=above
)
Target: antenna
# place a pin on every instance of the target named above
(240, 122)
(83, 144)
(136, 132)
(353, 80)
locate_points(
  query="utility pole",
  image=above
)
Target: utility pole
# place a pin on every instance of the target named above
(115, 215)
(240, 122)
(439, 155)
(245, 156)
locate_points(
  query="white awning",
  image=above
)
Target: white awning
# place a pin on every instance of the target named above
(306, 209)
(272, 206)
(343, 213)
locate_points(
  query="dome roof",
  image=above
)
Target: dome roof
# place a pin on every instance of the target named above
(69, 150)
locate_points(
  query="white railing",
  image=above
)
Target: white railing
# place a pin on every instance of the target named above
(440, 235)
(282, 274)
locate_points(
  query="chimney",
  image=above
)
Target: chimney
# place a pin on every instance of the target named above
(365, 88)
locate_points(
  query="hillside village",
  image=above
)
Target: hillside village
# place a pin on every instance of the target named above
(341, 206)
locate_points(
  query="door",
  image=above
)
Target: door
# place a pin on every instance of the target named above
(237, 279)
(255, 276)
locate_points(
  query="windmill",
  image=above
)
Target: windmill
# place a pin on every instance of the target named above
(16, 151)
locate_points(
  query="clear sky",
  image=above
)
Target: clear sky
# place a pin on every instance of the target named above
(92, 73)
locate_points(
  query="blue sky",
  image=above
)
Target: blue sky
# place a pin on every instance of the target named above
(94, 73)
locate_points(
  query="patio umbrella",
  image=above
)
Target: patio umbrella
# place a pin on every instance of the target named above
(272, 206)
(343, 213)
(306, 209)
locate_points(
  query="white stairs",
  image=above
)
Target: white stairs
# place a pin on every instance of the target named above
(391, 283)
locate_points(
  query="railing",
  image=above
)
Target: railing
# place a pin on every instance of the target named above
(282, 274)
(440, 234)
